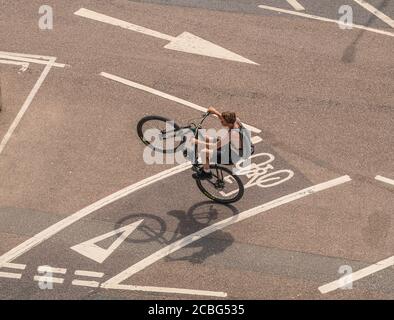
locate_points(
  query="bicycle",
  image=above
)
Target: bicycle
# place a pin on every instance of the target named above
(171, 138)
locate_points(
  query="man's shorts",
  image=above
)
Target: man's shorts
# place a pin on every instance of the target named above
(219, 156)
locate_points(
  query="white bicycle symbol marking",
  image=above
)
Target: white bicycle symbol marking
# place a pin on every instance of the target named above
(258, 173)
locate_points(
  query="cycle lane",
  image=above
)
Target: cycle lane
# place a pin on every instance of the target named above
(162, 221)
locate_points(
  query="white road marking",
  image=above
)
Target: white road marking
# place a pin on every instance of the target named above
(309, 16)
(92, 251)
(10, 275)
(376, 12)
(25, 106)
(13, 266)
(51, 269)
(139, 266)
(386, 180)
(296, 5)
(164, 95)
(48, 279)
(35, 56)
(30, 60)
(256, 139)
(24, 65)
(165, 290)
(92, 274)
(185, 42)
(59, 226)
(83, 283)
(352, 277)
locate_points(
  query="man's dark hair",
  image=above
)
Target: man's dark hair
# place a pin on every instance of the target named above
(229, 117)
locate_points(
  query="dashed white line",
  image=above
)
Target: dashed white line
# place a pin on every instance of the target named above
(164, 95)
(92, 274)
(296, 5)
(48, 279)
(357, 275)
(165, 290)
(59, 226)
(25, 106)
(386, 180)
(13, 266)
(10, 275)
(51, 269)
(376, 12)
(141, 265)
(83, 283)
(309, 16)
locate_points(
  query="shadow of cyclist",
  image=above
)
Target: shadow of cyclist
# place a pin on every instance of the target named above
(199, 217)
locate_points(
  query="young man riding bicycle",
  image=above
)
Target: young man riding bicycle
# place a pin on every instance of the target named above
(232, 144)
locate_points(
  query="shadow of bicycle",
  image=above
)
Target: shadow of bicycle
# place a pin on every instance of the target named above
(199, 216)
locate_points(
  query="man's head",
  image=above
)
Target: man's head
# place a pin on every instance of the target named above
(228, 119)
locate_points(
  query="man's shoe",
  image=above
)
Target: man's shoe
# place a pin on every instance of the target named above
(202, 175)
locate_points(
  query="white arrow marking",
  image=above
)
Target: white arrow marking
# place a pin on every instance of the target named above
(296, 5)
(92, 251)
(185, 42)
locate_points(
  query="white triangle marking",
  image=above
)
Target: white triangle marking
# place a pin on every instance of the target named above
(187, 42)
(92, 251)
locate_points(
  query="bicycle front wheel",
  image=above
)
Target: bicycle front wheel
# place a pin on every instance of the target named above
(224, 187)
(159, 133)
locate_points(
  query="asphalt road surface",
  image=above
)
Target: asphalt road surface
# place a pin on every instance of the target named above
(83, 216)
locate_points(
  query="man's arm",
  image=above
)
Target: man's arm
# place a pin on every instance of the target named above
(215, 112)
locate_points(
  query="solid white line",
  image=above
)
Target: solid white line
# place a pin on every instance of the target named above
(296, 5)
(92, 274)
(386, 180)
(13, 266)
(48, 279)
(59, 226)
(165, 290)
(376, 12)
(83, 283)
(24, 65)
(15, 54)
(309, 16)
(139, 266)
(10, 275)
(51, 269)
(357, 275)
(25, 106)
(164, 95)
(14, 58)
(120, 23)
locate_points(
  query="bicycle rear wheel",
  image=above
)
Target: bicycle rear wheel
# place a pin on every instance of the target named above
(159, 134)
(223, 187)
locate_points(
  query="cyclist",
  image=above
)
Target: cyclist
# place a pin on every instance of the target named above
(229, 148)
